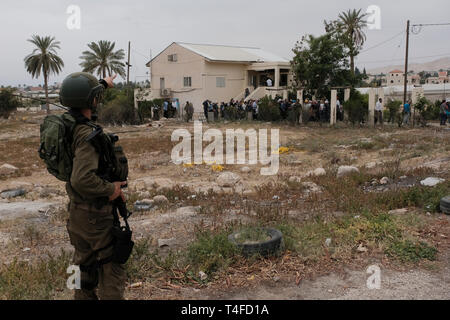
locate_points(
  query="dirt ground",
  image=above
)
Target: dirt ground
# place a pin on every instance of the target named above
(151, 170)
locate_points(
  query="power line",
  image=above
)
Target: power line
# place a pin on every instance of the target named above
(401, 59)
(431, 24)
(141, 54)
(383, 42)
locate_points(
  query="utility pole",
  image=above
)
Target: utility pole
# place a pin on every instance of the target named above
(128, 64)
(150, 67)
(405, 88)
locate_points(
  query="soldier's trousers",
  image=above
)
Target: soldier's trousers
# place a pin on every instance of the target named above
(90, 232)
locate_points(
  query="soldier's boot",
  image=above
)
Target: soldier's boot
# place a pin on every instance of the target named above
(112, 279)
(89, 281)
(85, 295)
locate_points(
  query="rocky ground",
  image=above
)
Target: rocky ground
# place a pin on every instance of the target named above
(325, 173)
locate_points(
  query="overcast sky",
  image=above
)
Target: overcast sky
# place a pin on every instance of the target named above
(152, 25)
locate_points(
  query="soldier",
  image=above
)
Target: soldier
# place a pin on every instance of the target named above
(91, 220)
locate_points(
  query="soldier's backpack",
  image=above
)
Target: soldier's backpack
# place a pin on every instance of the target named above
(55, 145)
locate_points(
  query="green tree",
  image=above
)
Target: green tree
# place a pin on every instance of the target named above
(103, 59)
(44, 59)
(320, 63)
(8, 103)
(357, 107)
(349, 28)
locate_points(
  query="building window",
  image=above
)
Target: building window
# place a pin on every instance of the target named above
(187, 81)
(172, 58)
(220, 82)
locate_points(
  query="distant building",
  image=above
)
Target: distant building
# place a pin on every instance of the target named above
(397, 78)
(394, 78)
(441, 78)
(196, 72)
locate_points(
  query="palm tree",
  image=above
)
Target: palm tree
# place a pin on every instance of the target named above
(351, 24)
(103, 59)
(44, 59)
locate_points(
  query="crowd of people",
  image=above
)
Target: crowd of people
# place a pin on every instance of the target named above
(320, 110)
(233, 110)
(309, 110)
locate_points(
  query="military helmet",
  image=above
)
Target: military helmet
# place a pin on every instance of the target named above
(79, 89)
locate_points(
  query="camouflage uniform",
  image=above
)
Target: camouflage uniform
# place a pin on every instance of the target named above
(90, 229)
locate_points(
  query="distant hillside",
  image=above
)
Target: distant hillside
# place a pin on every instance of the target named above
(435, 65)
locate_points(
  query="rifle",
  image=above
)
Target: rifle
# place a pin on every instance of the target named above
(116, 169)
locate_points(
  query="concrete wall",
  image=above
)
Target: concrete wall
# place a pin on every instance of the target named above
(188, 64)
(432, 92)
(234, 75)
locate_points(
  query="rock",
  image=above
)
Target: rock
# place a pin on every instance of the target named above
(346, 170)
(248, 192)
(311, 187)
(162, 183)
(187, 211)
(246, 169)
(431, 182)
(295, 179)
(6, 169)
(371, 165)
(403, 177)
(361, 248)
(276, 198)
(319, 172)
(144, 194)
(203, 276)
(384, 180)
(14, 210)
(138, 185)
(166, 242)
(398, 211)
(227, 190)
(136, 285)
(328, 242)
(160, 200)
(228, 179)
(7, 194)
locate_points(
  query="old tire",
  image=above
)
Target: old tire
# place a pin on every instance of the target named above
(265, 248)
(445, 205)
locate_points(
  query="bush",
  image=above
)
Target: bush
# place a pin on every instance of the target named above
(269, 110)
(145, 109)
(393, 113)
(119, 111)
(8, 103)
(357, 107)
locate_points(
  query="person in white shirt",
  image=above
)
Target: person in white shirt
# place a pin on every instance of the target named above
(339, 112)
(269, 82)
(379, 111)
